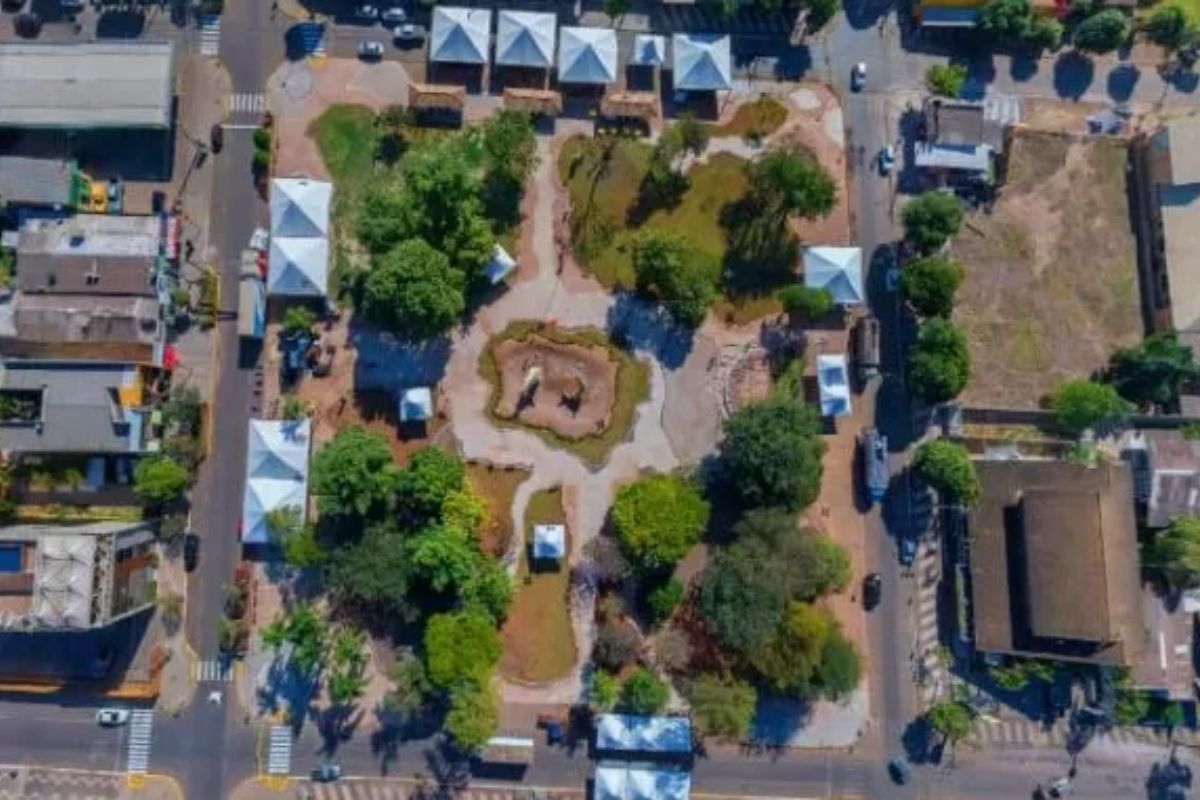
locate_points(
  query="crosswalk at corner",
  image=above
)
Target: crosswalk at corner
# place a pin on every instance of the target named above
(279, 750)
(934, 678)
(213, 670)
(384, 789)
(141, 729)
(210, 35)
(247, 103)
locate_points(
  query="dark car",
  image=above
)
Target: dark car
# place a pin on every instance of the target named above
(27, 26)
(216, 137)
(872, 590)
(898, 769)
(908, 550)
(191, 551)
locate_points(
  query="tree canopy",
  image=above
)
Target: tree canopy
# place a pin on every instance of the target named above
(413, 290)
(946, 80)
(376, 572)
(1080, 405)
(947, 467)
(422, 488)
(158, 480)
(1104, 31)
(353, 473)
(1006, 20)
(788, 182)
(1170, 27)
(939, 364)
(474, 715)
(772, 451)
(929, 285)
(658, 518)
(1152, 373)
(722, 706)
(788, 661)
(1175, 553)
(644, 693)
(670, 268)
(950, 719)
(807, 302)
(930, 219)
(460, 647)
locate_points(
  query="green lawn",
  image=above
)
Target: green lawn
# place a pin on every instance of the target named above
(347, 137)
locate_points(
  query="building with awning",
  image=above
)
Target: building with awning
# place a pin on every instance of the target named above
(460, 35)
(587, 55)
(833, 385)
(276, 474)
(837, 270)
(525, 39)
(298, 265)
(701, 62)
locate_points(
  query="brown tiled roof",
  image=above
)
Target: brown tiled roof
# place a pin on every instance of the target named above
(954, 122)
(436, 96)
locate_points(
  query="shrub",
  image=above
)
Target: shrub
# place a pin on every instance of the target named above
(644, 693)
(664, 599)
(659, 518)
(946, 80)
(806, 302)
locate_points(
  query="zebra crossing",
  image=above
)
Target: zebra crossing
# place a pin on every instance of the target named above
(141, 725)
(279, 750)
(213, 670)
(395, 790)
(247, 103)
(1002, 110)
(934, 675)
(210, 35)
(1026, 733)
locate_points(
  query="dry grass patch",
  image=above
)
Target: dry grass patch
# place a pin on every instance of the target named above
(539, 640)
(1051, 280)
(755, 120)
(496, 487)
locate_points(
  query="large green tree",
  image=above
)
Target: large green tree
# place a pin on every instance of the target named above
(659, 518)
(474, 715)
(939, 363)
(1007, 21)
(461, 647)
(1081, 404)
(950, 719)
(809, 303)
(644, 693)
(511, 152)
(788, 661)
(1175, 553)
(671, 269)
(352, 474)
(444, 558)
(722, 706)
(432, 475)
(840, 669)
(413, 290)
(1152, 373)
(929, 285)
(773, 451)
(1170, 27)
(1104, 31)
(158, 480)
(930, 219)
(947, 467)
(946, 80)
(785, 181)
(376, 572)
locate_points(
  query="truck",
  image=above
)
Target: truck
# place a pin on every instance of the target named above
(866, 349)
(875, 463)
(252, 299)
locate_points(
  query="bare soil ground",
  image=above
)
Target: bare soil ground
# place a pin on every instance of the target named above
(1051, 283)
(574, 397)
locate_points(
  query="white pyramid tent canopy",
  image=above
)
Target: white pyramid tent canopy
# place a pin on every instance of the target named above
(276, 473)
(649, 50)
(701, 61)
(587, 55)
(838, 269)
(298, 267)
(525, 39)
(300, 207)
(299, 258)
(460, 35)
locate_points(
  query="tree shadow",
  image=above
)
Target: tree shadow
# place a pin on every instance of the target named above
(1170, 780)
(778, 719)
(123, 24)
(636, 324)
(390, 362)
(862, 14)
(1122, 81)
(761, 249)
(917, 740)
(1073, 74)
(1023, 66)
(287, 688)
(981, 72)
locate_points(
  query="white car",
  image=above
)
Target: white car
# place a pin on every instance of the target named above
(370, 50)
(409, 34)
(112, 717)
(887, 160)
(366, 12)
(394, 16)
(858, 76)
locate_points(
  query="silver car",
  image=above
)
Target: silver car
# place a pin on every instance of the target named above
(366, 12)
(112, 717)
(394, 16)
(409, 34)
(370, 50)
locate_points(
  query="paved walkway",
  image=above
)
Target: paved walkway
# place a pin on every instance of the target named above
(39, 783)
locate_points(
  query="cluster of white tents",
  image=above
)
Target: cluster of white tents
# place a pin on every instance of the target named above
(276, 474)
(299, 261)
(701, 62)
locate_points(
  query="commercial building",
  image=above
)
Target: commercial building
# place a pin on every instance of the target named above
(837, 270)
(958, 143)
(87, 85)
(42, 182)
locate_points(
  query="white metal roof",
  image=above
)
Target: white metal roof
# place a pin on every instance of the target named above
(644, 734)
(838, 269)
(460, 35)
(525, 39)
(833, 385)
(649, 50)
(500, 266)
(276, 473)
(967, 158)
(629, 782)
(549, 542)
(416, 404)
(587, 55)
(299, 259)
(701, 61)
(63, 581)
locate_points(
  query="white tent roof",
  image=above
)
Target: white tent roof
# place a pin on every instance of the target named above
(587, 55)
(525, 39)
(621, 782)
(838, 269)
(701, 61)
(298, 267)
(416, 404)
(460, 35)
(833, 385)
(276, 473)
(644, 734)
(300, 207)
(500, 266)
(649, 50)
(549, 542)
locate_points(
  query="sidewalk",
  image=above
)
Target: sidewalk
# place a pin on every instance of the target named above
(390, 789)
(176, 687)
(46, 783)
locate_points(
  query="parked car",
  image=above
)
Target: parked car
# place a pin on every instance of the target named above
(112, 717)
(898, 769)
(872, 590)
(887, 159)
(191, 551)
(875, 463)
(866, 348)
(367, 12)
(216, 137)
(858, 76)
(327, 773)
(370, 50)
(394, 16)
(409, 34)
(908, 550)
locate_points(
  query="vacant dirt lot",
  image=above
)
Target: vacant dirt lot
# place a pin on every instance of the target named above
(575, 390)
(1051, 282)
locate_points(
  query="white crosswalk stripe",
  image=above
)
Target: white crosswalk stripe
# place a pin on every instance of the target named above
(1002, 110)
(141, 726)
(212, 671)
(928, 572)
(210, 35)
(247, 103)
(279, 750)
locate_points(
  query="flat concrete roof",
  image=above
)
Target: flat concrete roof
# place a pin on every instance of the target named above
(86, 85)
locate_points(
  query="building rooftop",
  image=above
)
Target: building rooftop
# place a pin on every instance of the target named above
(1167, 663)
(644, 734)
(549, 542)
(964, 158)
(93, 254)
(86, 85)
(621, 781)
(33, 324)
(1179, 206)
(1054, 565)
(37, 181)
(954, 122)
(1167, 476)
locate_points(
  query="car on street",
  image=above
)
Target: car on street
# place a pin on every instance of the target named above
(887, 159)
(216, 137)
(191, 551)
(367, 12)
(858, 76)
(112, 717)
(875, 463)
(394, 16)
(327, 773)
(370, 50)
(409, 34)
(898, 769)
(908, 550)
(872, 590)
